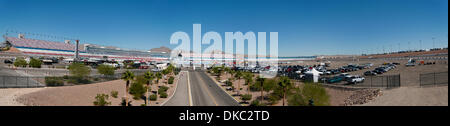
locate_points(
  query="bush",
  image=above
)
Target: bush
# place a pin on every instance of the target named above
(65, 77)
(79, 70)
(317, 93)
(79, 80)
(153, 97)
(20, 62)
(54, 81)
(114, 94)
(101, 100)
(163, 95)
(105, 69)
(256, 103)
(228, 83)
(162, 89)
(246, 97)
(137, 90)
(35, 63)
(296, 99)
(170, 81)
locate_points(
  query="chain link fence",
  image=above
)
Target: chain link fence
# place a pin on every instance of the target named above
(437, 78)
(40, 81)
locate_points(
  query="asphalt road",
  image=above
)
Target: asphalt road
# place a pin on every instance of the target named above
(195, 88)
(181, 96)
(205, 92)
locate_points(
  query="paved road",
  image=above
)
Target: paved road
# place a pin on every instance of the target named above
(181, 96)
(205, 92)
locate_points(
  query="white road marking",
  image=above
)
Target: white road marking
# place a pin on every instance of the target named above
(189, 89)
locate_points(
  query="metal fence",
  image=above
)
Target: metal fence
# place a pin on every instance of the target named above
(437, 78)
(21, 82)
(385, 81)
(39, 81)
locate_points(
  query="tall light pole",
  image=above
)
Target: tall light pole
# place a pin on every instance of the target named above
(433, 42)
(77, 57)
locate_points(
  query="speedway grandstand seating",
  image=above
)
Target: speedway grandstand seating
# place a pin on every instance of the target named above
(50, 48)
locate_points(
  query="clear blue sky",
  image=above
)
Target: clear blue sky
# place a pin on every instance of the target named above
(306, 27)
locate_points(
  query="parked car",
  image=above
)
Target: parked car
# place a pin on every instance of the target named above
(378, 71)
(355, 79)
(370, 73)
(336, 79)
(7, 61)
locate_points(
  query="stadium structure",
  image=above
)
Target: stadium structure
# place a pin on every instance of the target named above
(36, 47)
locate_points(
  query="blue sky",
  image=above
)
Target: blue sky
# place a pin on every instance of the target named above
(305, 27)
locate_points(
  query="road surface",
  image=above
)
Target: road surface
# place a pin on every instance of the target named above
(181, 95)
(202, 90)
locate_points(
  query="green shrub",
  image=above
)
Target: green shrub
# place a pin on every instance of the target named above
(79, 80)
(114, 94)
(137, 90)
(317, 93)
(228, 83)
(246, 97)
(162, 89)
(101, 100)
(170, 81)
(163, 95)
(65, 77)
(79, 70)
(105, 69)
(20, 62)
(256, 103)
(54, 81)
(35, 63)
(153, 97)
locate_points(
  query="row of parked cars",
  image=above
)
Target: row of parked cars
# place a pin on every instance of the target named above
(344, 77)
(382, 69)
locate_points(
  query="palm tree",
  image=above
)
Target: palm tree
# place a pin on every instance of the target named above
(248, 80)
(149, 77)
(284, 83)
(261, 80)
(238, 76)
(127, 76)
(158, 76)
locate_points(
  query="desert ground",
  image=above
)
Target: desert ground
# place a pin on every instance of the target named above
(83, 95)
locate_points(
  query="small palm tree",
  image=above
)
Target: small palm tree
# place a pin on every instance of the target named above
(127, 76)
(248, 80)
(284, 83)
(149, 77)
(261, 80)
(158, 76)
(238, 76)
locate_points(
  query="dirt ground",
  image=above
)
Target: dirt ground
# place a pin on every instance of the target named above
(412, 96)
(84, 95)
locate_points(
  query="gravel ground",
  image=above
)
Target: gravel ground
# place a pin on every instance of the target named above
(83, 95)
(8, 96)
(412, 96)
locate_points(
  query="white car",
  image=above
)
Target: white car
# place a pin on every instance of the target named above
(355, 79)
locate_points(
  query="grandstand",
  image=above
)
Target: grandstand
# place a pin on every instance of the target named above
(66, 49)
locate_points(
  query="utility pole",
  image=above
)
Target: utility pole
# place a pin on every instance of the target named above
(433, 42)
(77, 57)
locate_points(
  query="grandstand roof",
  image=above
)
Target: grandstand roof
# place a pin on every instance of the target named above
(33, 43)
